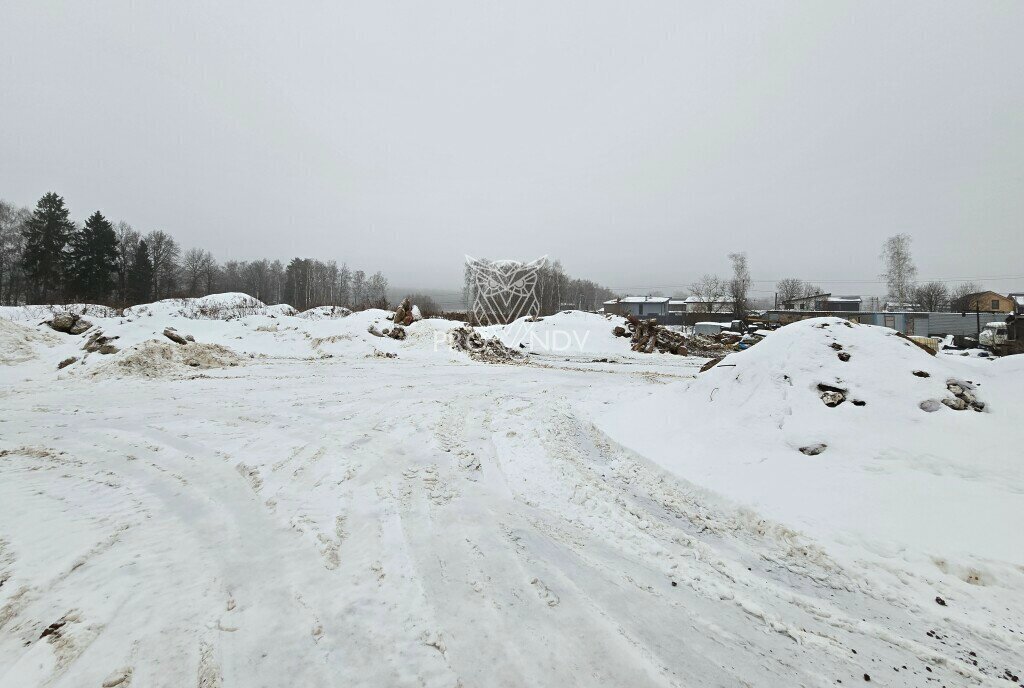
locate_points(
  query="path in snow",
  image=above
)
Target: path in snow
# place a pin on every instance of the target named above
(375, 523)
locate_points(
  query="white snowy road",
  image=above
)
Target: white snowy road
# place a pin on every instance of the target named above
(389, 523)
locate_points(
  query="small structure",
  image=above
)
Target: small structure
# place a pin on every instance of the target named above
(1018, 302)
(676, 306)
(638, 305)
(823, 302)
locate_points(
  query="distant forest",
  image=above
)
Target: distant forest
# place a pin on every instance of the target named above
(46, 257)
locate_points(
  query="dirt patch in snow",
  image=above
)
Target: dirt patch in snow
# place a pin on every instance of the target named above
(163, 359)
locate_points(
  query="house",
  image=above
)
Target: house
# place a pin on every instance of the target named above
(1018, 301)
(677, 306)
(696, 304)
(990, 301)
(638, 305)
(823, 302)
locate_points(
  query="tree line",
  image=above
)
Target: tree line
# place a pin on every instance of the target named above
(45, 257)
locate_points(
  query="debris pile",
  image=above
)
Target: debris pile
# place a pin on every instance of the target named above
(963, 396)
(100, 343)
(163, 359)
(647, 336)
(491, 350)
(68, 323)
(396, 332)
(407, 313)
(173, 335)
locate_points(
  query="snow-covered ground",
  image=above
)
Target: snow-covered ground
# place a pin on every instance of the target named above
(290, 506)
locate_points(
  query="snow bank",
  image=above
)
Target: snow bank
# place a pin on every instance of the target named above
(568, 332)
(213, 307)
(19, 343)
(324, 313)
(36, 314)
(894, 466)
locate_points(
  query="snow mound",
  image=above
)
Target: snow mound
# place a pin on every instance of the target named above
(849, 431)
(567, 332)
(280, 309)
(39, 313)
(156, 359)
(18, 343)
(826, 371)
(325, 313)
(213, 307)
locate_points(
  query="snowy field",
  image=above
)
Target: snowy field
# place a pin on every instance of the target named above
(280, 503)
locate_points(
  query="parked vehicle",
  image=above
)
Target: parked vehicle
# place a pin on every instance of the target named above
(710, 327)
(994, 335)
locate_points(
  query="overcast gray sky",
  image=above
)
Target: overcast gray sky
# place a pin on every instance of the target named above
(640, 142)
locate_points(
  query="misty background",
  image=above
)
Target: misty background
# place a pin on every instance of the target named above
(639, 143)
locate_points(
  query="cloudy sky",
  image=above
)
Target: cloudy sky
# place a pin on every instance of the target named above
(639, 142)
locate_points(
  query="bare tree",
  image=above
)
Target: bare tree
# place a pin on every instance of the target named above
(932, 296)
(899, 271)
(377, 291)
(196, 266)
(789, 288)
(164, 252)
(709, 290)
(739, 285)
(127, 245)
(358, 290)
(811, 290)
(960, 296)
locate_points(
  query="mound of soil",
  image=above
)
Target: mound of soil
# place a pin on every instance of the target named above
(155, 359)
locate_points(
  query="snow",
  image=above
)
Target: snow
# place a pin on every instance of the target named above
(894, 478)
(320, 514)
(566, 333)
(643, 299)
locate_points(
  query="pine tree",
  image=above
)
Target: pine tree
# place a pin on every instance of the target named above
(93, 260)
(46, 235)
(140, 276)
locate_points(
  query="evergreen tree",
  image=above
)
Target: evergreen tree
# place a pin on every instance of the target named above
(93, 260)
(46, 235)
(140, 277)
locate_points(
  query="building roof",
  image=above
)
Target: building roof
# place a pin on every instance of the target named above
(845, 299)
(643, 299)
